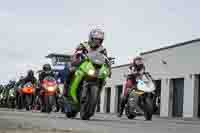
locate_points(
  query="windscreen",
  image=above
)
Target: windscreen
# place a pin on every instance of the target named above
(96, 58)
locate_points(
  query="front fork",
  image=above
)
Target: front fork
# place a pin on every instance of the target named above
(142, 99)
(75, 84)
(87, 85)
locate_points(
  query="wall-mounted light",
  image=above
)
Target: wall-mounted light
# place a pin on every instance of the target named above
(190, 76)
(163, 62)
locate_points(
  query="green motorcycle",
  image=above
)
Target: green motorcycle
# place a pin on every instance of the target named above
(87, 84)
(5, 96)
(1, 97)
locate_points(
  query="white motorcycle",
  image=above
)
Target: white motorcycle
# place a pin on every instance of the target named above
(141, 98)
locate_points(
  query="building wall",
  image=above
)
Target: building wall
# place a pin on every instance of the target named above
(181, 61)
(117, 76)
(116, 79)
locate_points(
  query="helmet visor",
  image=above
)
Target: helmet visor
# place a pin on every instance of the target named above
(96, 42)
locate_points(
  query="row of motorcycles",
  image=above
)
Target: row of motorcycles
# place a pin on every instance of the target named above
(85, 90)
(7, 97)
(29, 97)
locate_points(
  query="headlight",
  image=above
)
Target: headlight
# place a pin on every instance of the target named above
(11, 93)
(51, 88)
(91, 72)
(105, 72)
(131, 99)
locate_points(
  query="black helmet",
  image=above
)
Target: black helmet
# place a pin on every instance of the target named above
(46, 67)
(11, 81)
(30, 73)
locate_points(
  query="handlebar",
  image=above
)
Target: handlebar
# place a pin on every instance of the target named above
(107, 61)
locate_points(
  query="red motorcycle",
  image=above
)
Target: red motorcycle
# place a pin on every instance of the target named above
(50, 91)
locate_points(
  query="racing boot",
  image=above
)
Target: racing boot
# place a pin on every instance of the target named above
(122, 106)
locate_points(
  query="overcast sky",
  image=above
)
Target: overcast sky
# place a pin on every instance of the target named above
(30, 29)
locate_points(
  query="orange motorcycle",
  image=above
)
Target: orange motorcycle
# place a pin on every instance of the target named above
(28, 92)
(50, 91)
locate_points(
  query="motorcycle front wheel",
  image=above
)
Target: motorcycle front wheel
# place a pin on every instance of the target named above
(148, 109)
(28, 100)
(50, 102)
(89, 98)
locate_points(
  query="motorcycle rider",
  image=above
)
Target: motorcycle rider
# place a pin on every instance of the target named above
(18, 87)
(19, 82)
(66, 78)
(29, 78)
(137, 68)
(1, 88)
(96, 38)
(11, 84)
(46, 71)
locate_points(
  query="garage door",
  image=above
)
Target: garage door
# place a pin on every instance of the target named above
(119, 89)
(178, 92)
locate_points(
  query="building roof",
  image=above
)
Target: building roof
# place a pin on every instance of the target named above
(67, 56)
(57, 55)
(171, 46)
(119, 66)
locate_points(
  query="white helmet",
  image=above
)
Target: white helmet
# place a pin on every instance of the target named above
(96, 38)
(96, 34)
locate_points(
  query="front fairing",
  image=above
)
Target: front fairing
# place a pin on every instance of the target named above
(92, 68)
(86, 67)
(12, 93)
(104, 72)
(145, 86)
(89, 69)
(1, 96)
